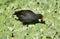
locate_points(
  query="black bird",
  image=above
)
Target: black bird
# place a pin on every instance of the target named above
(29, 17)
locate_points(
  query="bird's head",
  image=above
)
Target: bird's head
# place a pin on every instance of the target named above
(40, 16)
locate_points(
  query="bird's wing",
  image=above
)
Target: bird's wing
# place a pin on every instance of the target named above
(25, 18)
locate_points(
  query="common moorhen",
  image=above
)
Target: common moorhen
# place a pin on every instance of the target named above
(29, 17)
